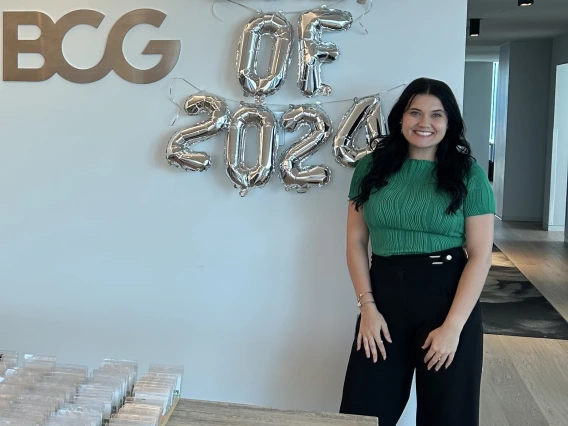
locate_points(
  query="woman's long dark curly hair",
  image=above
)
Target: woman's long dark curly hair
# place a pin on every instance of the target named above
(453, 155)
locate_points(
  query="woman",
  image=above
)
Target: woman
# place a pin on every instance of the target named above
(416, 197)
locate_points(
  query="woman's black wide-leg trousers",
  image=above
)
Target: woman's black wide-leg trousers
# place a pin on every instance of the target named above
(414, 294)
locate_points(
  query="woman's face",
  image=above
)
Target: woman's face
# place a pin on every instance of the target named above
(424, 124)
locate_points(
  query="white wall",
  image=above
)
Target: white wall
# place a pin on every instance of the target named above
(107, 251)
(559, 56)
(478, 84)
(520, 169)
(482, 53)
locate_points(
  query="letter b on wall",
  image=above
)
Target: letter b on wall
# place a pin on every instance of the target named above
(49, 45)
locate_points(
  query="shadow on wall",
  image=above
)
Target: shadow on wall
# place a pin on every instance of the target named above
(312, 350)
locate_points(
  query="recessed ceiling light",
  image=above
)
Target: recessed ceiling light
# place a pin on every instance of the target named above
(526, 2)
(474, 27)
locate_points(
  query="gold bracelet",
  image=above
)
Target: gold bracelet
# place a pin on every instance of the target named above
(362, 294)
(359, 304)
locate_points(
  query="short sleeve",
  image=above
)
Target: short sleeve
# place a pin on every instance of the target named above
(361, 169)
(480, 198)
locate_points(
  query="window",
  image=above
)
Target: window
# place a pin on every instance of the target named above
(494, 101)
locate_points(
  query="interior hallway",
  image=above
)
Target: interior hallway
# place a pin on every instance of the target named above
(525, 380)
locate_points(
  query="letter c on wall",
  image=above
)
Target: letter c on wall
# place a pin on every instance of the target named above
(64, 68)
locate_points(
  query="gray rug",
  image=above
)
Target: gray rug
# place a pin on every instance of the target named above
(512, 306)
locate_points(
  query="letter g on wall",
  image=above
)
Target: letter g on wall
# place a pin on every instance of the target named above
(49, 45)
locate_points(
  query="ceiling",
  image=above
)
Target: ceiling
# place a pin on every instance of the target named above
(503, 20)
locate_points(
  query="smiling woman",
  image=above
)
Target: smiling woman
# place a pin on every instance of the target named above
(416, 197)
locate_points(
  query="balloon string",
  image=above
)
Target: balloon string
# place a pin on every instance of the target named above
(292, 12)
(180, 109)
(234, 2)
(171, 97)
(392, 88)
(259, 11)
(360, 18)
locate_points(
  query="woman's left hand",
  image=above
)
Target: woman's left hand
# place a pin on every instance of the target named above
(443, 343)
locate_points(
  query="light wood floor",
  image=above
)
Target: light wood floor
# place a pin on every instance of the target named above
(525, 380)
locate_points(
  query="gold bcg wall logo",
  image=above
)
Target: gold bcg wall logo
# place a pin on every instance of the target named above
(49, 45)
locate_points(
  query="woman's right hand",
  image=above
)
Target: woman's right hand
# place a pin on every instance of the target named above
(371, 326)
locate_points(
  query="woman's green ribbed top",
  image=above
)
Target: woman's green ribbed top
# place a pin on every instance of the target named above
(408, 216)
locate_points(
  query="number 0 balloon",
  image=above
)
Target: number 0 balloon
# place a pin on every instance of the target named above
(243, 177)
(280, 30)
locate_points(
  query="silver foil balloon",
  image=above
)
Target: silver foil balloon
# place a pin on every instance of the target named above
(313, 51)
(292, 173)
(365, 113)
(279, 29)
(244, 178)
(179, 153)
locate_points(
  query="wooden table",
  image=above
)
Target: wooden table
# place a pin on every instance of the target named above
(205, 413)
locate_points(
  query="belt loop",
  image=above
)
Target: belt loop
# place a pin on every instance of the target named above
(436, 256)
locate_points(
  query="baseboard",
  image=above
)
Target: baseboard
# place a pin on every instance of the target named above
(554, 228)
